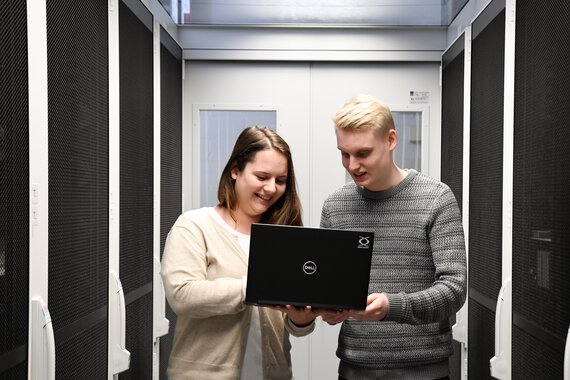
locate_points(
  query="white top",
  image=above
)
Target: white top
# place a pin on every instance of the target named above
(252, 363)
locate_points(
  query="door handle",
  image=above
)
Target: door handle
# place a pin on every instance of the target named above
(567, 357)
(43, 342)
(121, 357)
(161, 323)
(500, 363)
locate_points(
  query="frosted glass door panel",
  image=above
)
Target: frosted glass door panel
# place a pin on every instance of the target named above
(219, 130)
(408, 153)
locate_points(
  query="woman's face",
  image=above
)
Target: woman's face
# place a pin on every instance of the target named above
(261, 183)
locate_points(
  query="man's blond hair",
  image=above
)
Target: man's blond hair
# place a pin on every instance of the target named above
(364, 111)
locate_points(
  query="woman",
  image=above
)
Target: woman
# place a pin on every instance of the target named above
(204, 268)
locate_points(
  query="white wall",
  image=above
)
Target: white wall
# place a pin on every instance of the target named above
(307, 95)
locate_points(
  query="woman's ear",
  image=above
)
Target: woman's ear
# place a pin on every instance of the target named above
(234, 172)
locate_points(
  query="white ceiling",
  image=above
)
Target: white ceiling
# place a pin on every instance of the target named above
(321, 12)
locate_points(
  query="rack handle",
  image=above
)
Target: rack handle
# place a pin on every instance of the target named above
(499, 364)
(43, 341)
(121, 357)
(567, 357)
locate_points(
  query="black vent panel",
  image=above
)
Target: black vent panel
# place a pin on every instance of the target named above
(14, 194)
(453, 74)
(541, 220)
(137, 182)
(486, 159)
(77, 37)
(485, 185)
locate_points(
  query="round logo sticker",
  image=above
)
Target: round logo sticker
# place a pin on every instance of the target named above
(309, 267)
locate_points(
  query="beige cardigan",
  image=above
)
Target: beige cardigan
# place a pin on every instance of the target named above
(202, 270)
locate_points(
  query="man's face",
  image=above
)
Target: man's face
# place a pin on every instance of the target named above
(367, 156)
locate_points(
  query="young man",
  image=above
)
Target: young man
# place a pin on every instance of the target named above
(418, 275)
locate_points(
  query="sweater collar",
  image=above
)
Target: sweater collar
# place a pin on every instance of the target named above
(383, 194)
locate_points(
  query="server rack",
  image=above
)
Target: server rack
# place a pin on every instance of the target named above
(136, 258)
(540, 260)
(453, 164)
(14, 193)
(77, 57)
(56, 200)
(485, 184)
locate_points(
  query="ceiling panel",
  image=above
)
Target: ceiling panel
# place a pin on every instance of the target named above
(316, 12)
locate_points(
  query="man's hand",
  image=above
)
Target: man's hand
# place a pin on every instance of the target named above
(376, 310)
(332, 317)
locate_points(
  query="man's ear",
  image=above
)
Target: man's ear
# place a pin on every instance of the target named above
(392, 139)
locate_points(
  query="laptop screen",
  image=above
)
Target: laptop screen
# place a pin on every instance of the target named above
(302, 266)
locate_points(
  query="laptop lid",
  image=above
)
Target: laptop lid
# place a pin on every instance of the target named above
(300, 266)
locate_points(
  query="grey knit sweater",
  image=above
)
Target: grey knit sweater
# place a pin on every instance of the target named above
(419, 262)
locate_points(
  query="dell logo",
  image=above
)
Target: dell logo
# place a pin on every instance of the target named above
(364, 242)
(309, 267)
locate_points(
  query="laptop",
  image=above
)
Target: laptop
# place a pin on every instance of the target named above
(302, 266)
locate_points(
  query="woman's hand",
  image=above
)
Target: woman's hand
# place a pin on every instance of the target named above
(300, 316)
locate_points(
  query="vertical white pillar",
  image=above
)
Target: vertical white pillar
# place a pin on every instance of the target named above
(160, 323)
(501, 362)
(118, 356)
(462, 316)
(41, 345)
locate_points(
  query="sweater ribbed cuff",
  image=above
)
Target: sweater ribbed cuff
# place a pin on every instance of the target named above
(396, 311)
(297, 330)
